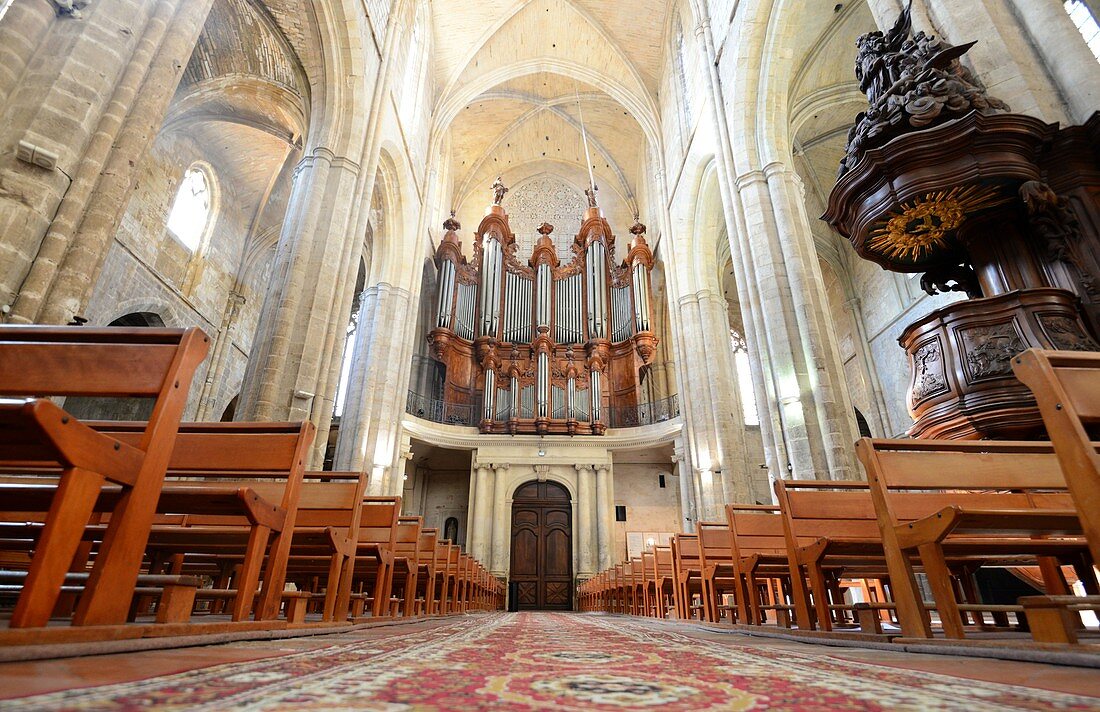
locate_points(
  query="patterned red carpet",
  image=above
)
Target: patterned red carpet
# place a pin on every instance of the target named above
(554, 661)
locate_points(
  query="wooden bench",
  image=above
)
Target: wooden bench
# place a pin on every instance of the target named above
(325, 536)
(407, 563)
(758, 545)
(664, 597)
(995, 501)
(375, 551)
(689, 574)
(831, 529)
(40, 361)
(426, 579)
(718, 573)
(1066, 385)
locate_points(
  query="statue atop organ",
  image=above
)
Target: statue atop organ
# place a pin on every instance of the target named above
(544, 346)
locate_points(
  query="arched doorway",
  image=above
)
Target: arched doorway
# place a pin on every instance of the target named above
(542, 547)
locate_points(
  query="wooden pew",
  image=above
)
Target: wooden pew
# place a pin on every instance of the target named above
(1066, 385)
(427, 553)
(210, 503)
(41, 361)
(375, 551)
(325, 536)
(758, 543)
(407, 564)
(664, 577)
(687, 559)
(830, 527)
(718, 574)
(1034, 518)
(649, 584)
(447, 565)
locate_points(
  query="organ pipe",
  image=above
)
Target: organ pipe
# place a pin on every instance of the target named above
(534, 318)
(543, 384)
(490, 392)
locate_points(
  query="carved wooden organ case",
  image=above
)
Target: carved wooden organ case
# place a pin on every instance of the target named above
(544, 347)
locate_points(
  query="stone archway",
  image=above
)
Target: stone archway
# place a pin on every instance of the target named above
(542, 547)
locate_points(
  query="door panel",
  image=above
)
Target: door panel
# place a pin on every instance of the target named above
(542, 547)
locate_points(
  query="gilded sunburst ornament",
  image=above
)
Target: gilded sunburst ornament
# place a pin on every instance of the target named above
(926, 225)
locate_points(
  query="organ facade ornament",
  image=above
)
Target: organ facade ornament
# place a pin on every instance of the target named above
(544, 346)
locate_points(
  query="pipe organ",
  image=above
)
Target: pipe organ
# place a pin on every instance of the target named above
(545, 347)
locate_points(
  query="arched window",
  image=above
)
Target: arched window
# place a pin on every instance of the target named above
(1086, 24)
(744, 378)
(191, 210)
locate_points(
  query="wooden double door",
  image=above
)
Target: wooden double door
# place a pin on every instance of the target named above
(542, 547)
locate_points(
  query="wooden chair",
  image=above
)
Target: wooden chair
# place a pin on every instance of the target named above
(1029, 513)
(78, 361)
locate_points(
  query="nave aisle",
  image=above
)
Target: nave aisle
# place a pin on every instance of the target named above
(532, 661)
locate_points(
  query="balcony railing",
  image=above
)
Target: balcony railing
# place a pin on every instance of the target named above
(643, 413)
(437, 411)
(469, 414)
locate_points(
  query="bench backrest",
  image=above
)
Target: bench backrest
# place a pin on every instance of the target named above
(1066, 385)
(686, 552)
(328, 499)
(755, 529)
(407, 542)
(648, 565)
(270, 457)
(662, 563)
(82, 361)
(378, 520)
(912, 479)
(428, 550)
(714, 542)
(111, 362)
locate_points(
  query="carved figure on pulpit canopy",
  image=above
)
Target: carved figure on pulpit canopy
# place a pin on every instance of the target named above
(911, 83)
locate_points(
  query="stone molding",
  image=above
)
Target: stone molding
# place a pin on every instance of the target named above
(465, 438)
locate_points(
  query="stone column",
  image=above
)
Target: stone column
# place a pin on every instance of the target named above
(502, 530)
(375, 376)
(310, 277)
(688, 513)
(587, 558)
(98, 109)
(796, 361)
(481, 534)
(880, 413)
(605, 517)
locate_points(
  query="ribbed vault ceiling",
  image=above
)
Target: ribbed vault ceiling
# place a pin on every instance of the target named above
(529, 62)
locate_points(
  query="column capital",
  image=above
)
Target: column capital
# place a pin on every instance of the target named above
(501, 466)
(584, 468)
(479, 465)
